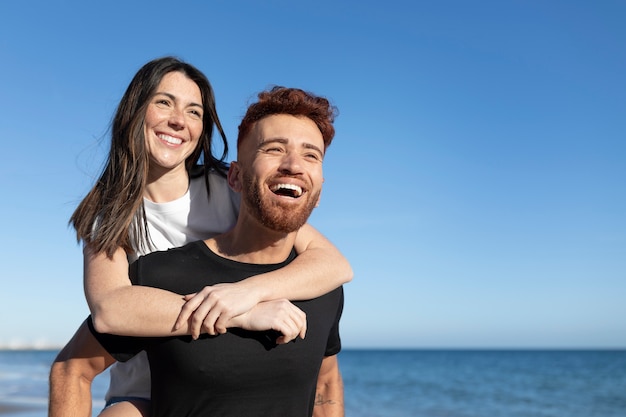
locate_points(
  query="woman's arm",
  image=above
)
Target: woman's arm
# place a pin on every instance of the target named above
(117, 307)
(123, 309)
(318, 269)
(120, 308)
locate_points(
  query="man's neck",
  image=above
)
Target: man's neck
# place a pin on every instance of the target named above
(251, 242)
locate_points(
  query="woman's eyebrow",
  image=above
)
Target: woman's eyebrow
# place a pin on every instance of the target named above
(173, 97)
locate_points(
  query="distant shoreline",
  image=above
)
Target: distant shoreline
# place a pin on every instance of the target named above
(13, 409)
(426, 349)
(30, 347)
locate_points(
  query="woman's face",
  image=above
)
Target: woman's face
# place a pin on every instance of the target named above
(173, 123)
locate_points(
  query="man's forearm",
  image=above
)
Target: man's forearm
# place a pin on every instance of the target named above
(329, 400)
(70, 395)
(329, 405)
(71, 374)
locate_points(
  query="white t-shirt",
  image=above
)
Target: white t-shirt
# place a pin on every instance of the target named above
(172, 224)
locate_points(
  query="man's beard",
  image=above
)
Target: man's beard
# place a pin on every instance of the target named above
(285, 218)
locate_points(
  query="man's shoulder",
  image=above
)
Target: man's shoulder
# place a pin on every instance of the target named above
(170, 260)
(179, 270)
(191, 249)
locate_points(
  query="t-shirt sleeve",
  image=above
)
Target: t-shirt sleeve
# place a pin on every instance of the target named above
(122, 348)
(333, 346)
(132, 272)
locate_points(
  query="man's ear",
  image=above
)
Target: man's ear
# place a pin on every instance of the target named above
(319, 197)
(233, 176)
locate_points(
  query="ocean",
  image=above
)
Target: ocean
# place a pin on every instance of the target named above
(413, 383)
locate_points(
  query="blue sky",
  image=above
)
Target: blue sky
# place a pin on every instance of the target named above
(476, 182)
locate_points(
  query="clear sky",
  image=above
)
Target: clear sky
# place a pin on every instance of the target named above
(477, 182)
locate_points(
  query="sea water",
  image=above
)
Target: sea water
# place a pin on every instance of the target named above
(415, 383)
(485, 383)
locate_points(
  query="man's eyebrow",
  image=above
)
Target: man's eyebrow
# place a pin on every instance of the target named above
(274, 140)
(282, 140)
(315, 148)
(173, 97)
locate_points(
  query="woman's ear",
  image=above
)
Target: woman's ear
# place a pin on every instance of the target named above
(233, 176)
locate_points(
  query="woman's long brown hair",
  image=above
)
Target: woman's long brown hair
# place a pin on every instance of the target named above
(112, 214)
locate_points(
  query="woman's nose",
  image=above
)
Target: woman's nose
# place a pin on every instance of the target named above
(177, 118)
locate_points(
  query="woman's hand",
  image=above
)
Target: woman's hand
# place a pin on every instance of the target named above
(211, 309)
(218, 307)
(279, 315)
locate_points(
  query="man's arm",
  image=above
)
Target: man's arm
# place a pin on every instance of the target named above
(329, 394)
(72, 372)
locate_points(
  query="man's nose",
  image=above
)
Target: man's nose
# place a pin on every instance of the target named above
(292, 163)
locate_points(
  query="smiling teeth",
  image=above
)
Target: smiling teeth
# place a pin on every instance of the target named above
(297, 191)
(170, 139)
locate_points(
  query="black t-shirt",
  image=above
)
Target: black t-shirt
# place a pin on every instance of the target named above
(240, 373)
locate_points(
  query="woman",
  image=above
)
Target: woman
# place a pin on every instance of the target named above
(161, 129)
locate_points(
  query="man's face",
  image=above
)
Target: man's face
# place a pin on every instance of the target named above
(279, 171)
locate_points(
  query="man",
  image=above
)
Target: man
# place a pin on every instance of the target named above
(281, 145)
